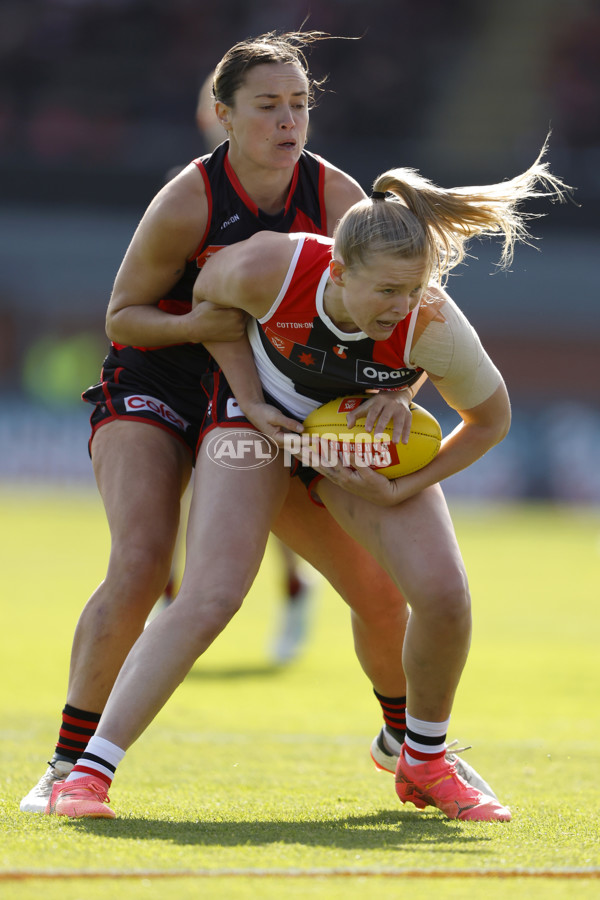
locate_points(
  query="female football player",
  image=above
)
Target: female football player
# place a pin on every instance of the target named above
(148, 409)
(378, 288)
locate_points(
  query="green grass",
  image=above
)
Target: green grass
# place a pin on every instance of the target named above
(254, 769)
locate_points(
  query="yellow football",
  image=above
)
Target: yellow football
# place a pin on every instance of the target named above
(392, 460)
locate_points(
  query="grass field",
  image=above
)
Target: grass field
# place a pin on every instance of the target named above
(255, 780)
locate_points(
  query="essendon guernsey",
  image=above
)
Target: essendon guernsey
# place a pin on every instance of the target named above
(234, 217)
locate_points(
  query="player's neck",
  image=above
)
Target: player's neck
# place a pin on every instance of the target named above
(333, 304)
(268, 188)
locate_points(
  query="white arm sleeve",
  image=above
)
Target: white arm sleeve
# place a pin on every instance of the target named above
(448, 348)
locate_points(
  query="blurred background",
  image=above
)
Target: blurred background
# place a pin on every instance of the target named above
(97, 101)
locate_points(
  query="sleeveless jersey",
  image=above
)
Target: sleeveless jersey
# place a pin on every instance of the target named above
(234, 217)
(304, 359)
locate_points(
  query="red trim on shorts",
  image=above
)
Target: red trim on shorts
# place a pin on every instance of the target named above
(204, 432)
(158, 346)
(311, 486)
(107, 397)
(215, 393)
(129, 418)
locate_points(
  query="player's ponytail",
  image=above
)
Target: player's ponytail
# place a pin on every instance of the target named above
(422, 218)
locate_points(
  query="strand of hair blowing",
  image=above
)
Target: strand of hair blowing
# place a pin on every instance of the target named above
(451, 216)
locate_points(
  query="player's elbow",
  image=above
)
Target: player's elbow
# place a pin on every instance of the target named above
(491, 418)
(503, 413)
(110, 325)
(499, 423)
(113, 325)
(502, 426)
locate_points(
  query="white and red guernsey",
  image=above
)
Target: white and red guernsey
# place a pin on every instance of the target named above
(304, 359)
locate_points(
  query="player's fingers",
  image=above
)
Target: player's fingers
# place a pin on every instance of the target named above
(406, 428)
(284, 423)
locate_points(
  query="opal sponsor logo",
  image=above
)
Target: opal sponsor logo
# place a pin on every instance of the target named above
(142, 403)
(368, 372)
(241, 449)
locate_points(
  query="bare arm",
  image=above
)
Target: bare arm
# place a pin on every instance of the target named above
(481, 428)
(237, 362)
(166, 237)
(450, 351)
(249, 276)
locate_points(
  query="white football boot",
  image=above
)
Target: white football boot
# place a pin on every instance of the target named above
(37, 798)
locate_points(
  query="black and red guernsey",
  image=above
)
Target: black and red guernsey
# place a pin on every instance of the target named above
(233, 216)
(162, 385)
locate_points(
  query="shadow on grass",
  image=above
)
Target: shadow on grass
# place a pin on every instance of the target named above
(377, 831)
(201, 673)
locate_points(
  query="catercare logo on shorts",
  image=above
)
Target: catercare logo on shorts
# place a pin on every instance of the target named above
(241, 449)
(142, 403)
(369, 372)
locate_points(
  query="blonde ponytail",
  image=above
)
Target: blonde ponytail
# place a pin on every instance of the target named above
(439, 222)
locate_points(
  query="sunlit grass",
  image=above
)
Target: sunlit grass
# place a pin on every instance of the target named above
(250, 767)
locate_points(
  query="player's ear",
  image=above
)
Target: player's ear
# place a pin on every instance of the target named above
(337, 271)
(223, 114)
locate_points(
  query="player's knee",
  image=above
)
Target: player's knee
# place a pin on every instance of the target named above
(222, 605)
(206, 612)
(388, 618)
(447, 599)
(140, 570)
(454, 607)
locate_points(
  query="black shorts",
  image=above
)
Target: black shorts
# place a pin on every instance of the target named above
(159, 387)
(224, 412)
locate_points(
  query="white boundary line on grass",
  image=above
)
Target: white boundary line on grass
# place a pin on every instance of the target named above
(305, 873)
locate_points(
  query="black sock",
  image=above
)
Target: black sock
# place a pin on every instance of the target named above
(78, 726)
(394, 715)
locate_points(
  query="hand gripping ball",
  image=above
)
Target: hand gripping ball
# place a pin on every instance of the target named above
(392, 460)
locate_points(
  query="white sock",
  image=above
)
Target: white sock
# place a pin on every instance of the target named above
(421, 738)
(100, 757)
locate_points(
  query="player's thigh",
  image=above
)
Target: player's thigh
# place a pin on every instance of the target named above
(141, 472)
(414, 540)
(349, 567)
(230, 519)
